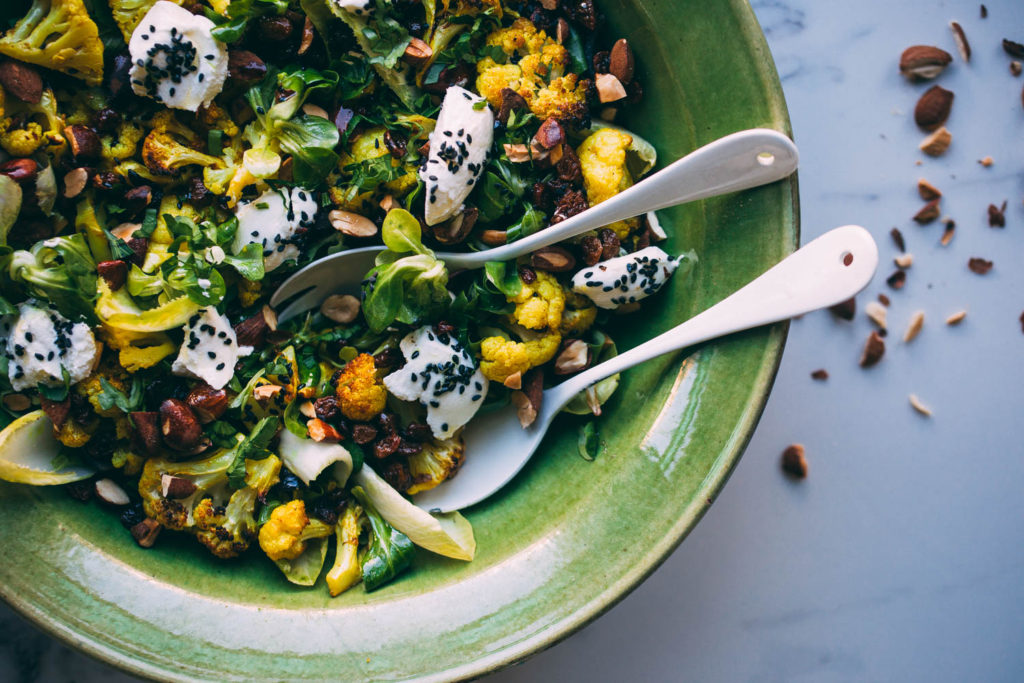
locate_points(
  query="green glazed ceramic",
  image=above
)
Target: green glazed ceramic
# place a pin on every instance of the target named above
(559, 545)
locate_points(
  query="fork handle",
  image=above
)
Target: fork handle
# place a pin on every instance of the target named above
(739, 161)
(828, 270)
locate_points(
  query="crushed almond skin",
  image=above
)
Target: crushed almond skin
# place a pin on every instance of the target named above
(820, 374)
(874, 349)
(904, 260)
(960, 38)
(794, 461)
(845, 309)
(897, 238)
(927, 191)
(921, 408)
(928, 213)
(997, 215)
(936, 144)
(876, 312)
(979, 266)
(897, 279)
(948, 233)
(883, 299)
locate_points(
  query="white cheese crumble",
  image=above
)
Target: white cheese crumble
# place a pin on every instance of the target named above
(175, 58)
(273, 220)
(442, 375)
(210, 349)
(625, 279)
(458, 150)
(357, 7)
(42, 342)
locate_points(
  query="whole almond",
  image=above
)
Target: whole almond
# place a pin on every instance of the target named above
(352, 224)
(922, 62)
(933, 108)
(620, 62)
(936, 144)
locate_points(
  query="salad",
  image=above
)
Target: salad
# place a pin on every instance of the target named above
(166, 164)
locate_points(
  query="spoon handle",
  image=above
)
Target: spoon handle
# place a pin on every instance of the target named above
(746, 159)
(828, 270)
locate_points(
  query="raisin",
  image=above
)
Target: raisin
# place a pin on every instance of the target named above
(610, 244)
(326, 408)
(363, 434)
(387, 446)
(591, 248)
(527, 274)
(397, 474)
(417, 431)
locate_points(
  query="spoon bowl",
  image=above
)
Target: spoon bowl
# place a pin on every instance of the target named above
(830, 269)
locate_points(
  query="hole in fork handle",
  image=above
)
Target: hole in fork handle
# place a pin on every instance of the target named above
(847, 258)
(766, 158)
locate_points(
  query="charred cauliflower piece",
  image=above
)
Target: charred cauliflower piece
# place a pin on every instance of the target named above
(535, 67)
(501, 358)
(58, 35)
(27, 128)
(437, 461)
(539, 305)
(163, 155)
(284, 535)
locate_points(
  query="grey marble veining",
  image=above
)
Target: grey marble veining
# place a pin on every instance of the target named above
(900, 557)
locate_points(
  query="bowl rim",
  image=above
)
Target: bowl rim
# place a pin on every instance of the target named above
(618, 589)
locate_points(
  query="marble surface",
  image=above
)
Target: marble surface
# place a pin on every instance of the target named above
(900, 557)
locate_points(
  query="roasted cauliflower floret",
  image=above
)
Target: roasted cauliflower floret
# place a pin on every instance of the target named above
(539, 305)
(72, 434)
(603, 161)
(58, 35)
(228, 531)
(128, 14)
(579, 315)
(138, 350)
(214, 117)
(437, 460)
(502, 358)
(122, 144)
(20, 141)
(346, 571)
(281, 537)
(361, 394)
(91, 388)
(367, 147)
(163, 155)
(535, 67)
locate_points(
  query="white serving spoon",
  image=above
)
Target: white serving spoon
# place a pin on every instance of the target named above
(736, 162)
(830, 269)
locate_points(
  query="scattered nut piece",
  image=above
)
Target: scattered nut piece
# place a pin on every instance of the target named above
(876, 312)
(1022, 322)
(960, 38)
(493, 238)
(984, 12)
(933, 108)
(573, 358)
(553, 260)
(418, 51)
(179, 425)
(307, 409)
(22, 81)
(315, 110)
(1013, 49)
(206, 402)
(609, 88)
(1016, 68)
(524, 409)
(145, 532)
(883, 299)
(897, 238)
(947, 234)
(265, 392)
(322, 432)
(514, 381)
(874, 349)
(845, 309)
(928, 213)
(921, 62)
(307, 36)
(341, 308)
(956, 318)
(916, 404)
(927, 191)
(176, 488)
(904, 260)
(937, 143)
(352, 224)
(986, 162)
(794, 461)
(979, 266)
(74, 182)
(997, 215)
(914, 328)
(897, 279)
(820, 374)
(111, 493)
(620, 61)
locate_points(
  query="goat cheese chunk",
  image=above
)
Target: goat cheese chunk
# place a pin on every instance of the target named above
(175, 58)
(42, 344)
(442, 375)
(625, 279)
(357, 7)
(458, 150)
(274, 221)
(210, 349)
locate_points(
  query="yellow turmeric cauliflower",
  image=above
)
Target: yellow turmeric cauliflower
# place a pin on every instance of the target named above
(58, 35)
(281, 537)
(73, 435)
(603, 161)
(579, 315)
(91, 388)
(437, 461)
(361, 394)
(20, 141)
(122, 144)
(502, 358)
(367, 146)
(535, 67)
(539, 305)
(138, 350)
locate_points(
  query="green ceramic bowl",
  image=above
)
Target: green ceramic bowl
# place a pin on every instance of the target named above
(561, 543)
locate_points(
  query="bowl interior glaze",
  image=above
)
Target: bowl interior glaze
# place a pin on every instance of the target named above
(558, 546)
